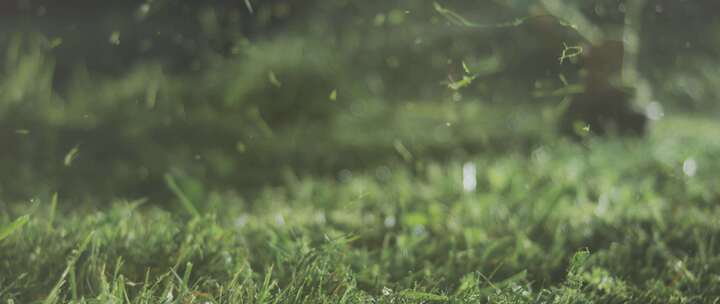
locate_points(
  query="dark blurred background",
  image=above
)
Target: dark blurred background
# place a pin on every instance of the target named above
(105, 98)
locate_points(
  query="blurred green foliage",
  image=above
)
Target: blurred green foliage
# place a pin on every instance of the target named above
(236, 92)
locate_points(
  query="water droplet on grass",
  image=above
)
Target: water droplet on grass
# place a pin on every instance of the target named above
(469, 177)
(654, 111)
(690, 167)
(389, 221)
(279, 220)
(241, 221)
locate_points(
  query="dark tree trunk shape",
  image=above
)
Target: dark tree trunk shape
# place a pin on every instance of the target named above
(604, 108)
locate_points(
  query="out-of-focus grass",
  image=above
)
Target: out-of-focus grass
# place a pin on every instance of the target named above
(611, 221)
(238, 121)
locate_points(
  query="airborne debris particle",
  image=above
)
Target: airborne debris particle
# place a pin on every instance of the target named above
(654, 111)
(570, 52)
(249, 6)
(142, 11)
(240, 147)
(690, 167)
(279, 219)
(389, 221)
(55, 42)
(469, 177)
(71, 155)
(396, 17)
(466, 68)
(402, 150)
(273, 79)
(114, 38)
(464, 82)
(379, 20)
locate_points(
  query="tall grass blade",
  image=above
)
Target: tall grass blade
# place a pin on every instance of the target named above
(17, 224)
(184, 200)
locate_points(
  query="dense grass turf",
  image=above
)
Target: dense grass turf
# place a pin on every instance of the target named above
(599, 222)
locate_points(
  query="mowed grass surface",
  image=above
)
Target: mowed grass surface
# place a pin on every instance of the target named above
(605, 221)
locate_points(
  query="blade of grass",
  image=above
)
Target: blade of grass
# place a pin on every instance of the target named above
(14, 226)
(54, 295)
(184, 200)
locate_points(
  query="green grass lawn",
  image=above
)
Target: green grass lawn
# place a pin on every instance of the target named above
(604, 221)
